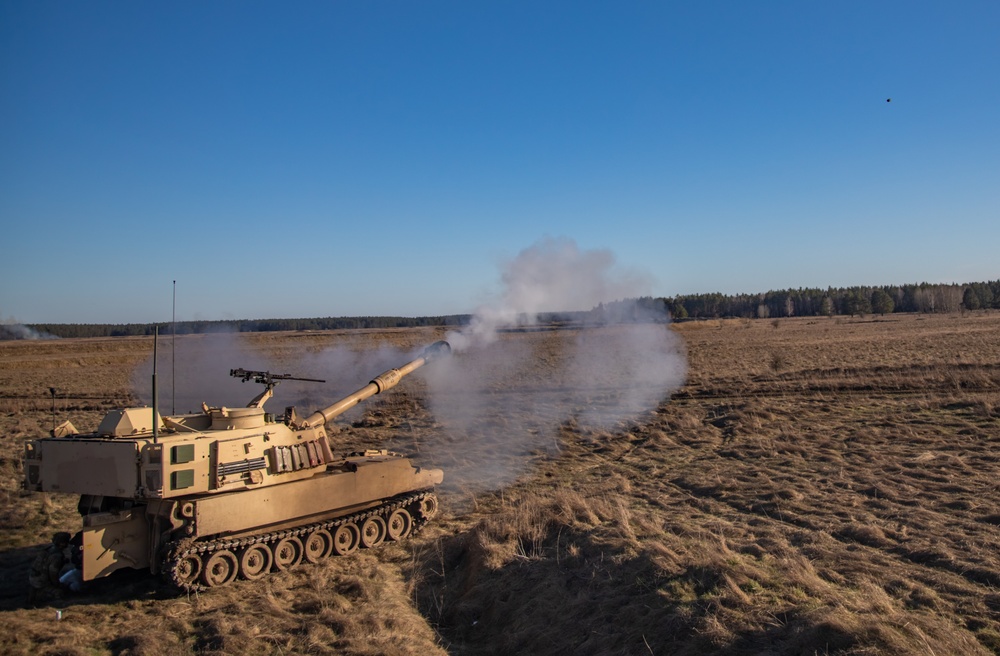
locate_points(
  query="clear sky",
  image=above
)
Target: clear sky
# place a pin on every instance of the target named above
(380, 158)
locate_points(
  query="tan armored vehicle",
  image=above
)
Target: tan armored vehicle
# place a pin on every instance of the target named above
(204, 498)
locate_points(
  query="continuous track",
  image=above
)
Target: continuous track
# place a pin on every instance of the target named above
(196, 565)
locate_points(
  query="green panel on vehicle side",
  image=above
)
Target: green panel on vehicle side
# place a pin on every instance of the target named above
(181, 478)
(182, 453)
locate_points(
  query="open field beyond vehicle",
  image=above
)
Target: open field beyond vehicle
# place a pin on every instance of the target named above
(817, 485)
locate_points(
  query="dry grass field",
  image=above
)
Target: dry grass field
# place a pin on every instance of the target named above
(817, 486)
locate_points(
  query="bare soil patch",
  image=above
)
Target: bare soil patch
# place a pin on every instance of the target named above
(818, 486)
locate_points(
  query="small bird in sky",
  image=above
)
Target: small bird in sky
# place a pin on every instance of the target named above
(888, 99)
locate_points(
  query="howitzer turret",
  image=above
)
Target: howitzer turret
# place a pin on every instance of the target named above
(231, 492)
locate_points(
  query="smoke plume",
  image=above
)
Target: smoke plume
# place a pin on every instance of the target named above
(551, 276)
(516, 385)
(11, 328)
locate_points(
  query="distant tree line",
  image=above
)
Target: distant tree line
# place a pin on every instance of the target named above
(631, 310)
(243, 325)
(922, 297)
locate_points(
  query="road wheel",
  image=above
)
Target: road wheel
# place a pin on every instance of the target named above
(346, 538)
(372, 532)
(399, 524)
(287, 553)
(318, 545)
(255, 562)
(220, 568)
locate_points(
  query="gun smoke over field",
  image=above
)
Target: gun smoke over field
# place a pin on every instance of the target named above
(502, 400)
(499, 400)
(550, 276)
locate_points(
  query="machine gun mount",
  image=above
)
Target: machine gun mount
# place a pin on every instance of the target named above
(267, 379)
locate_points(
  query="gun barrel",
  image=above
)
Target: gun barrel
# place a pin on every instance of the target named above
(379, 384)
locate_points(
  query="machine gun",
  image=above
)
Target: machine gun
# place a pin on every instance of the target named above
(267, 379)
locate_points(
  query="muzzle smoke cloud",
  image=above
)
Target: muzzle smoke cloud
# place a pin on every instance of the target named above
(553, 275)
(503, 399)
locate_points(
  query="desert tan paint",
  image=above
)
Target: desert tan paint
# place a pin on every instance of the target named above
(222, 472)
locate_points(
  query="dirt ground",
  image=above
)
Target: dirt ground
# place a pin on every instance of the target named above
(817, 486)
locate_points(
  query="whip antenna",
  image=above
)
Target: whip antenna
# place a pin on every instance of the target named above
(156, 427)
(52, 391)
(173, 355)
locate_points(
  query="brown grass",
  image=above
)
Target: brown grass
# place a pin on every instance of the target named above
(826, 487)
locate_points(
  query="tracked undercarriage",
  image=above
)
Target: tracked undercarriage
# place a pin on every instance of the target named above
(193, 565)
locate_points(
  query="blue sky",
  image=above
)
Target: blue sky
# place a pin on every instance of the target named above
(355, 158)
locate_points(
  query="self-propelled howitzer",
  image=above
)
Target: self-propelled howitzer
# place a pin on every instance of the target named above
(203, 498)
